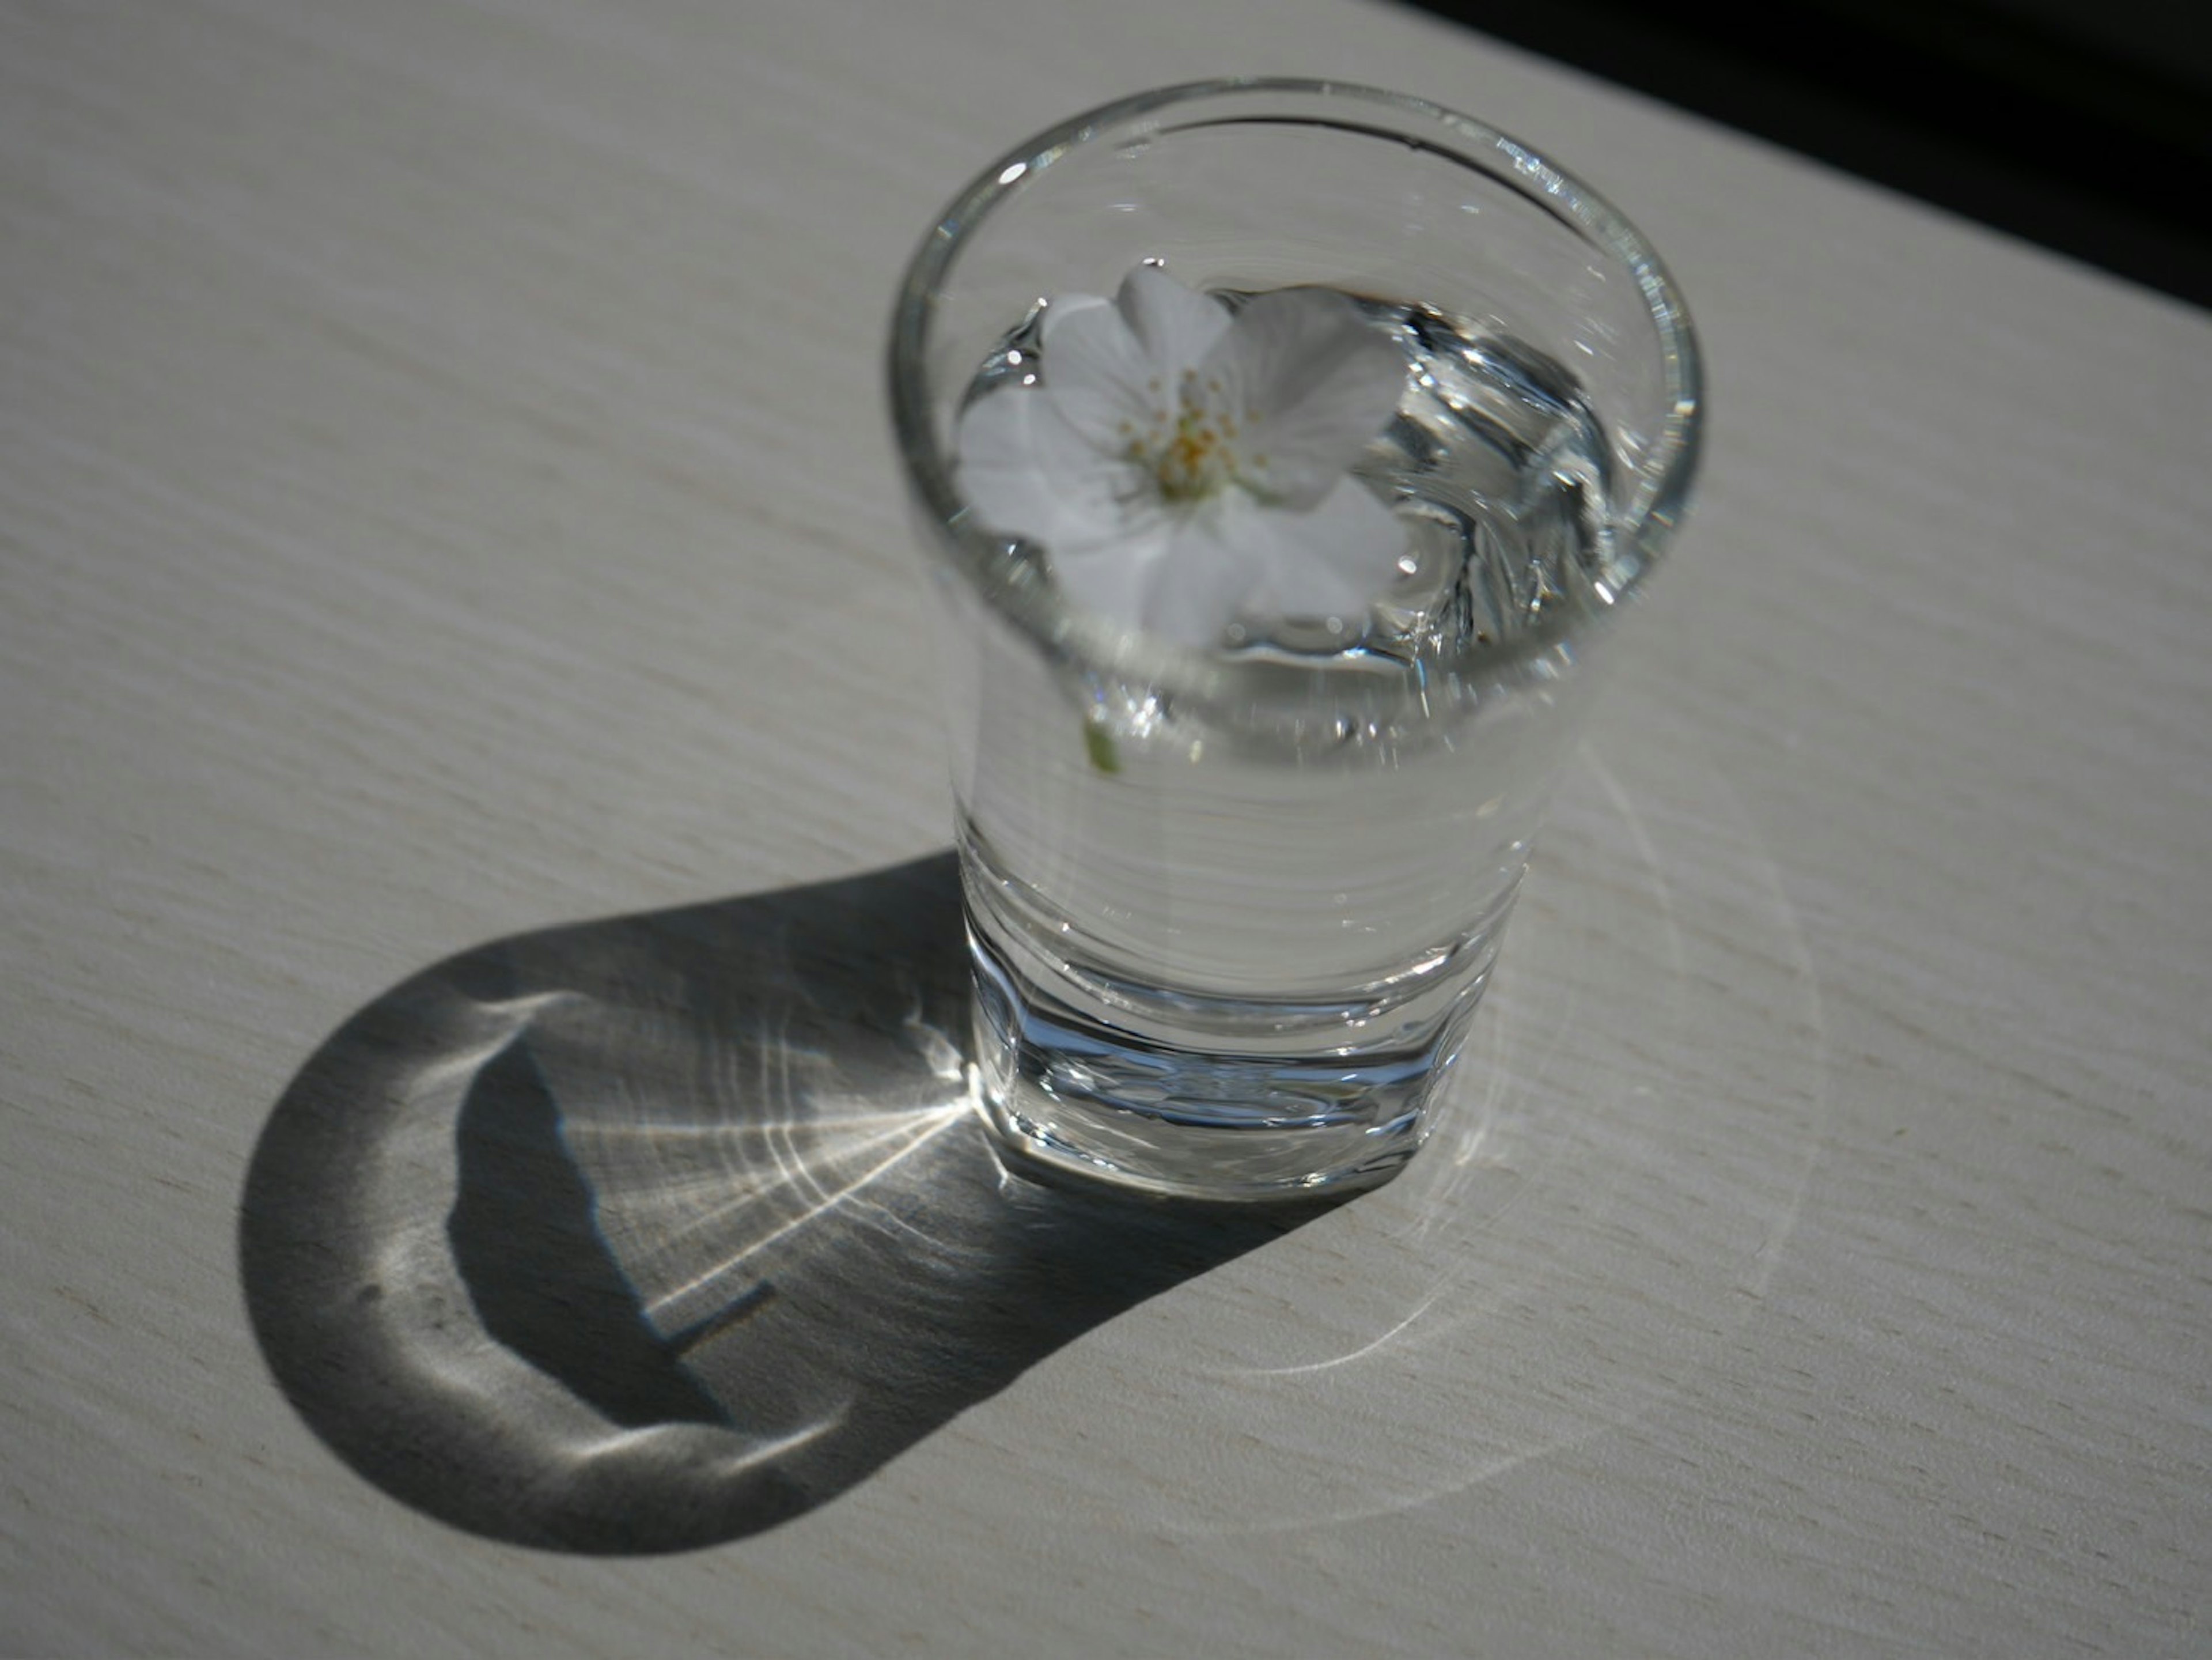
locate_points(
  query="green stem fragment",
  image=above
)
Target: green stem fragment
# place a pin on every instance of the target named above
(1098, 745)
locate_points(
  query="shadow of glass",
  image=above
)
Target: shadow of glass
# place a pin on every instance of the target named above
(646, 1234)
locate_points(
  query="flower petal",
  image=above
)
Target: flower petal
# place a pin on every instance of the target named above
(1177, 326)
(1310, 384)
(1097, 372)
(1028, 473)
(1332, 560)
(1099, 375)
(1200, 581)
(1111, 577)
(1113, 371)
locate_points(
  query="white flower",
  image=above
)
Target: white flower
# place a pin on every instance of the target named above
(1180, 465)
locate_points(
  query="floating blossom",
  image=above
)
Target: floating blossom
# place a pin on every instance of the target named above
(1181, 466)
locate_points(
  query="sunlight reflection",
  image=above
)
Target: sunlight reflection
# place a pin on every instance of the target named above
(905, 1135)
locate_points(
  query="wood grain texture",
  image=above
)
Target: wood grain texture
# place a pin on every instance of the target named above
(444, 491)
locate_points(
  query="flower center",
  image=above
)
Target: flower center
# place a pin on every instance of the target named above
(1192, 450)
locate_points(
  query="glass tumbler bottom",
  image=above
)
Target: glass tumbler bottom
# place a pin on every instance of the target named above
(1206, 1098)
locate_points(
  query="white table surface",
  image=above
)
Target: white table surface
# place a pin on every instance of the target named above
(445, 493)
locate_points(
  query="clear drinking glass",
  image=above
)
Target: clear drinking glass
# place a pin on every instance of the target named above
(1231, 910)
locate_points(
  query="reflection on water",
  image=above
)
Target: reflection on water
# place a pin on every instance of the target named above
(646, 1234)
(650, 1233)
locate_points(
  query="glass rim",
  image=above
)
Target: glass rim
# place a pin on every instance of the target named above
(1647, 519)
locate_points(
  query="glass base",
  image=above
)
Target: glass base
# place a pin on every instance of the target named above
(1308, 1110)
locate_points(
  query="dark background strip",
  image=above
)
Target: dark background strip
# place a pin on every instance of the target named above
(2084, 127)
